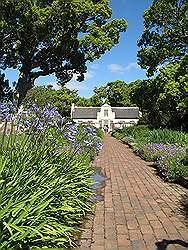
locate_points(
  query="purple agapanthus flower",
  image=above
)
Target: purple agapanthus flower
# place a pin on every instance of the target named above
(160, 150)
(98, 146)
(73, 128)
(90, 131)
(88, 143)
(69, 137)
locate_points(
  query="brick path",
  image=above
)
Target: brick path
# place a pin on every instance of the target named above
(138, 210)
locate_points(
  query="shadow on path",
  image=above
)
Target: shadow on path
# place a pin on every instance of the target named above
(162, 245)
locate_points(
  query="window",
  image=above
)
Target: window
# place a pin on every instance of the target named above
(106, 113)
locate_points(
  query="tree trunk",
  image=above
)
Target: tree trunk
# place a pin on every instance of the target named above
(25, 83)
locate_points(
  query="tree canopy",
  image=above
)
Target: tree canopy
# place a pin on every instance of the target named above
(165, 36)
(114, 93)
(164, 98)
(62, 98)
(42, 37)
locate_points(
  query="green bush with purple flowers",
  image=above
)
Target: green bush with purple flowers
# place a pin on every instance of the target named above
(153, 151)
(45, 177)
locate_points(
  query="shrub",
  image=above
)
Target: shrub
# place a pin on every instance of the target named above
(143, 135)
(44, 196)
(99, 133)
(171, 169)
(152, 151)
(128, 139)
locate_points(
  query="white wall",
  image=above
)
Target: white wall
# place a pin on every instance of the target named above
(94, 122)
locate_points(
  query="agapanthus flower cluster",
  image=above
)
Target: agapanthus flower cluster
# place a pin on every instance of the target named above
(39, 120)
(73, 128)
(160, 150)
(90, 131)
(32, 118)
(98, 146)
(88, 138)
(7, 111)
(69, 136)
(164, 155)
(71, 132)
(92, 139)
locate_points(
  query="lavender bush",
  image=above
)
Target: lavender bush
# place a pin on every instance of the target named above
(153, 151)
(168, 160)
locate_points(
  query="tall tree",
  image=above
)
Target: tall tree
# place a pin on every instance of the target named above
(114, 93)
(5, 90)
(118, 93)
(165, 36)
(165, 97)
(62, 98)
(42, 37)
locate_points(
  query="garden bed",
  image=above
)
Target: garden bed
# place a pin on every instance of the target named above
(45, 179)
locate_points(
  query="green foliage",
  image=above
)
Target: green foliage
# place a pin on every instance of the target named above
(117, 134)
(143, 134)
(100, 133)
(5, 90)
(175, 169)
(165, 35)
(43, 197)
(115, 93)
(62, 98)
(163, 99)
(45, 178)
(55, 37)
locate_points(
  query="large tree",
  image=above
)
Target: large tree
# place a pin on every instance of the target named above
(165, 35)
(5, 90)
(164, 98)
(42, 37)
(114, 93)
(62, 98)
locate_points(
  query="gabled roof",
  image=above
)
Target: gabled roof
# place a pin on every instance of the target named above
(85, 112)
(126, 112)
(91, 112)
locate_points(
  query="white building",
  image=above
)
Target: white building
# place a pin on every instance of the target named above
(106, 116)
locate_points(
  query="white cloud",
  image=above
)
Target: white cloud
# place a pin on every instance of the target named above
(117, 68)
(132, 65)
(55, 85)
(89, 74)
(74, 84)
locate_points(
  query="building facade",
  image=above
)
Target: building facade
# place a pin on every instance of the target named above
(106, 117)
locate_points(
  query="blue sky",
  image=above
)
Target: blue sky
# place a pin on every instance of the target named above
(119, 63)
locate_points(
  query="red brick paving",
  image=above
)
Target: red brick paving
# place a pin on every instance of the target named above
(138, 210)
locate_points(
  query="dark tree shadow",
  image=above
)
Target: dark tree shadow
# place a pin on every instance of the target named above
(162, 245)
